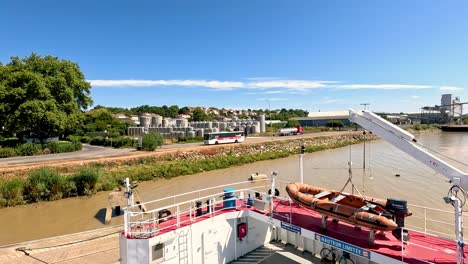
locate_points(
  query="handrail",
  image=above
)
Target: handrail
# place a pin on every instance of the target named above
(191, 201)
(215, 202)
(200, 190)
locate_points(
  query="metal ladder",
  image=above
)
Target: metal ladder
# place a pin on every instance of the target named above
(183, 247)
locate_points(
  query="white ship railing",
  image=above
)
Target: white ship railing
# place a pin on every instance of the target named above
(140, 224)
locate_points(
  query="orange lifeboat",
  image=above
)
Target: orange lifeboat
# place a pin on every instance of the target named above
(358, 210)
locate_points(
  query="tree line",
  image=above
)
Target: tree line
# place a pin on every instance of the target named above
(44, 96)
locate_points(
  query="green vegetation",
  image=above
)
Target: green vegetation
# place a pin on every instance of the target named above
(189, 140)
(335, 123)
(46, 184)
(421, 127)
(42, 97)
(199, 115)
(292, 123)
(285, 115)
(30, 149)
(151, 141)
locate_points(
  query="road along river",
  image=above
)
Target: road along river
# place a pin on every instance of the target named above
(416, 183)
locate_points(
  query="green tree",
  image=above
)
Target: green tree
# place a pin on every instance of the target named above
(184, 111)
(42, 96)
(292, 123)
(335, 123)
(173, 111)
(151, 141)
(199, 115)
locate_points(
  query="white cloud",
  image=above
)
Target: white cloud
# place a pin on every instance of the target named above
(272, 99)
(415, 96)
(330, 101)
(263, 78)
(384, 86)
(265, 83)
(141, 83)
(451, 88)
(289, 84)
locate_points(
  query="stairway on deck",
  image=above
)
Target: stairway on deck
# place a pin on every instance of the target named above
(276, 253)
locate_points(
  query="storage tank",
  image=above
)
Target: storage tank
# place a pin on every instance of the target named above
(200, 133)
(145, 121)
(222, 126)
(156, 121)
(254, 129)
(191, 134)
(261, 119)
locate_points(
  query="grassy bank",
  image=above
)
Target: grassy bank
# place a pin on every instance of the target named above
(47, 184)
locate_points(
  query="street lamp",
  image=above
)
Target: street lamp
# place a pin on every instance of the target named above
(108, 137)
(269, 110)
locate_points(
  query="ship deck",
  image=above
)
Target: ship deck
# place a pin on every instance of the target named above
(101, 246)
(421, 248)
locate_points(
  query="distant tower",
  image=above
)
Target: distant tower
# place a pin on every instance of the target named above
(446, 102)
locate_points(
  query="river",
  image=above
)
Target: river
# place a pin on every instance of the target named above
(417, 184)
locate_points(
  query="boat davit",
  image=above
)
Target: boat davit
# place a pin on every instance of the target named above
(364, 211)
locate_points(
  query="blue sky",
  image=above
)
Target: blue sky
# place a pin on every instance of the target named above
(327, 55)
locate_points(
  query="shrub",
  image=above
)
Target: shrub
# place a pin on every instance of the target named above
(335, 123)
(151, 141)
(7, 152)
(28, 149)
(61, 147)
(85, 139)
(73, 138)
(10, 142)
(44, 184)
(99, 141)
(85, 180)
(52, 146)
(122, 142)
(66, 147)
(11, 192)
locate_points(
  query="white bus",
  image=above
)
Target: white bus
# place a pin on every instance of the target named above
(224, 137)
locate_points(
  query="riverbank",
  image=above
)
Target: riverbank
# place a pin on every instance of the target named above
(105, 175)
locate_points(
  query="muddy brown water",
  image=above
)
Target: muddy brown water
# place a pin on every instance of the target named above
(417, 184)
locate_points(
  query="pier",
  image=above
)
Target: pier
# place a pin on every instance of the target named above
(95, 246)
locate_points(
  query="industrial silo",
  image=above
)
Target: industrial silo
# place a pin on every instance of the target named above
(145, 121)
(200, 133)
(191, 134)
(222, 126)
(261, 119)
(156, 120)
(253, 130)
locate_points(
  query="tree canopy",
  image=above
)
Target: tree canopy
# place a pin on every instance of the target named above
(285, 115)
(199, 115)
(42, 96)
